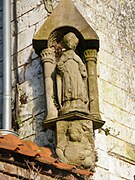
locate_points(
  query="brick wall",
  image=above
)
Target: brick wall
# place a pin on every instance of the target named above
(14, 172)
(113, 22)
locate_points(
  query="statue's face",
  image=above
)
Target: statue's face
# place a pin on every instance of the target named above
(71, 41)
(75, 132)
(71, 44)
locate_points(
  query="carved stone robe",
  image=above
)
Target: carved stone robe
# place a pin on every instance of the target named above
(74, 76)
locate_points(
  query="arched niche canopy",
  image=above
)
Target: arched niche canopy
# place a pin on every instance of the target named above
(61, 22)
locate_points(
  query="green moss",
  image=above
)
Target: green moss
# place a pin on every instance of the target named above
(130, 149)
(19, 120)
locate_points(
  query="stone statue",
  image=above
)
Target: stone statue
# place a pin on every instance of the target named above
(65, 78)
(74, 78)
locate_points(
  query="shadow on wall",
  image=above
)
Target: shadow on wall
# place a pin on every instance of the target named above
(31, 104)
(15, 65)
(0, 62)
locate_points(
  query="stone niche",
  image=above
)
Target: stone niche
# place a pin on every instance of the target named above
(68, 47)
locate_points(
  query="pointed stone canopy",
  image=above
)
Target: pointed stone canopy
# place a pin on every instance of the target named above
(65, 15)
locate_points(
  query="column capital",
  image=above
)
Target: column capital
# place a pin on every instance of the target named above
(48, 55)
(90, 55)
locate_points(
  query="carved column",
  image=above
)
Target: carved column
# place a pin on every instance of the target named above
(48, 60)
(91, 64)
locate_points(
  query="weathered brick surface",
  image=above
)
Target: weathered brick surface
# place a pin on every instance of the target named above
(113, 22)
(14, 172)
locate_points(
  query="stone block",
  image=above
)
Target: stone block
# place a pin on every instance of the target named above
(0, 19)
(1, 87)
(27, 35)
(115, 146)
(113, 62)
(120, 131)
(0, 35)
(36, 15)
(33, 88)
(1, 69)
(1, 166)
(101, 141)
(27, 128)
(101, 173)
(102, 159)
(45, 138)
(115, 96)
(116, 78)
(21, 23)
(25, 56)
(112, 177)
(117, 167)
(33, 69)
(117, 114)
(4, 177)
(25, 6)
(121, 148)
(32, 108)
(0, 52)
(21, 74)
(0, 5)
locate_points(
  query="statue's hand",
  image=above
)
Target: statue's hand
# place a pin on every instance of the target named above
(83, 72)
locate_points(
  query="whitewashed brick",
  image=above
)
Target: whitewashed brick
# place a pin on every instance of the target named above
(101, 174)
(27, 128)
(114, 146)
(116, 96)
(0, 52)
(1, 67)
(101, 141)
(24, 39)
(114, 63)
(32, 108)
(24, 6)
(120, 131)
(22, 24)
(118, 167)
(25, 56)
(112, 177)
(1, 85)
(33, 69)
(29, 19)
(0, 35)
(117, 114)
(0, 19)
(33, 88)
(121, 80)
(38, 14)
(102, 159)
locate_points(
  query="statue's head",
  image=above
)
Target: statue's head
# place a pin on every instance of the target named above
(71, 41)
(75, 131)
